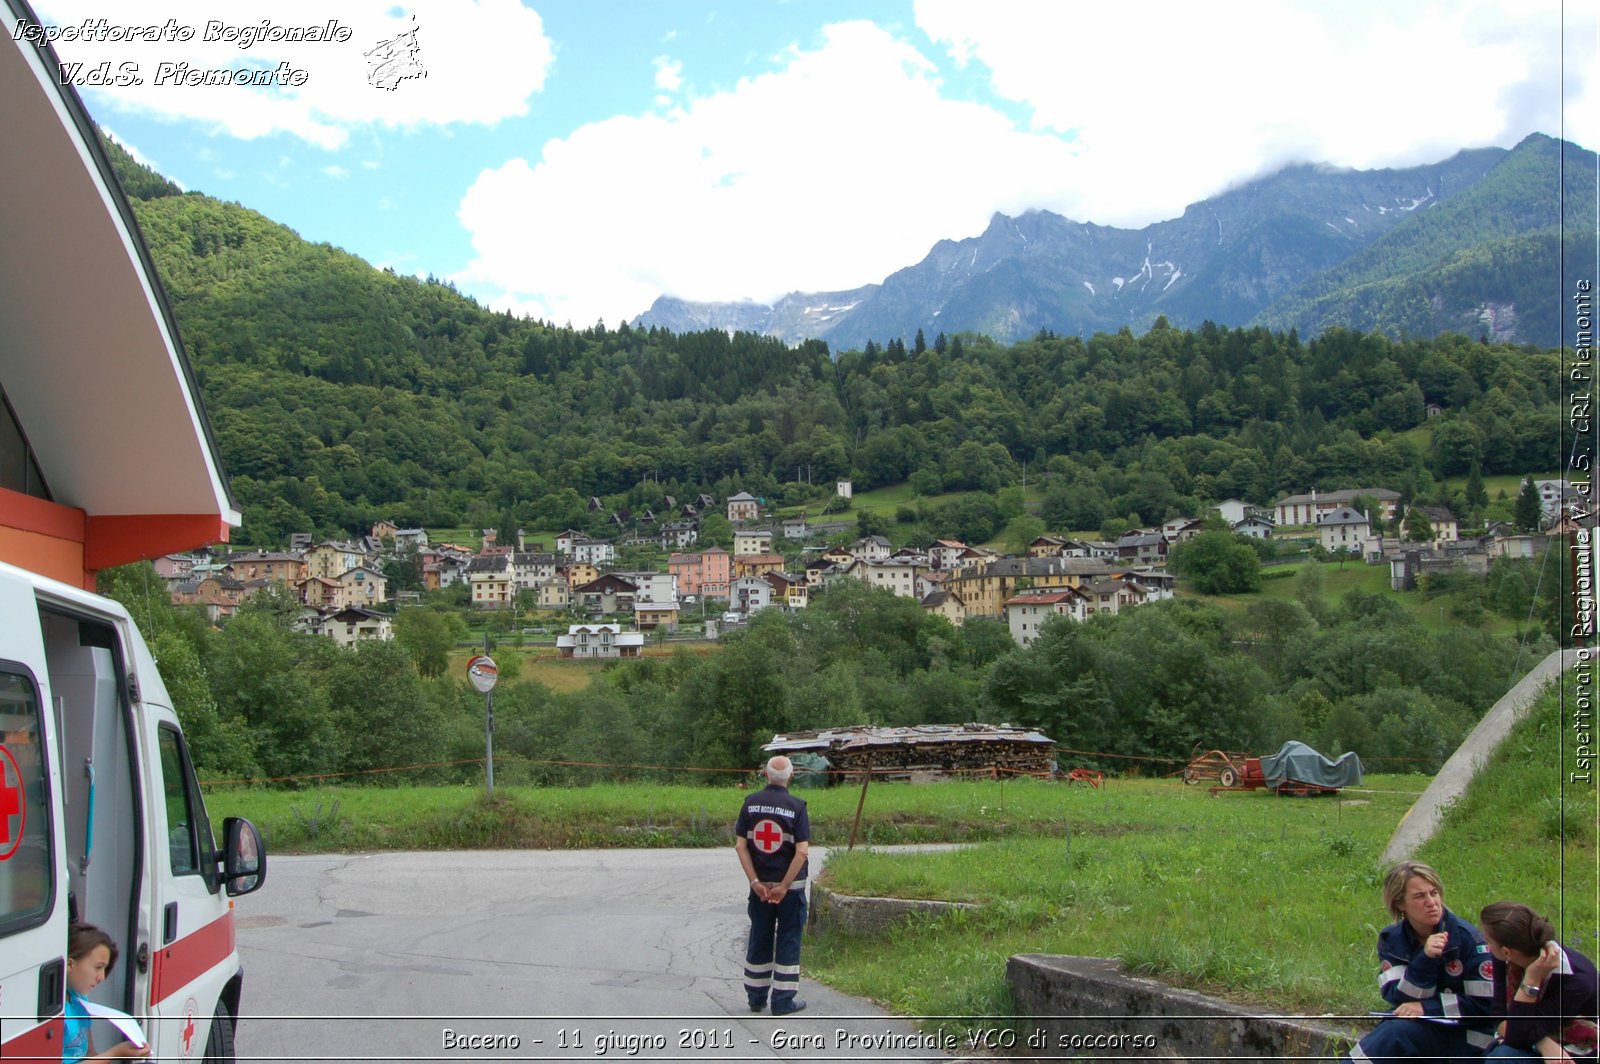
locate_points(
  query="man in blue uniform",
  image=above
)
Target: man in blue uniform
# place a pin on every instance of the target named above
(772, 838)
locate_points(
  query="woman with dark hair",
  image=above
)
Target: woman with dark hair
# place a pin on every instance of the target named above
(1544, 992)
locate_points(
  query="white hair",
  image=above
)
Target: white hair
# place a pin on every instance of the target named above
(780, 770)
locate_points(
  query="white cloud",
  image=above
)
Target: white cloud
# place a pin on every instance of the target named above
(483, 58)
(338, 173)
(669, 73)
(1167, 102)
(837, 168)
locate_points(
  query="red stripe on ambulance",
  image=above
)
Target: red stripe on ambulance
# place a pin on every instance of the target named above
(175, 966)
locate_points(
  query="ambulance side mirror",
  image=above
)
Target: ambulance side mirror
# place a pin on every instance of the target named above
(244, 861)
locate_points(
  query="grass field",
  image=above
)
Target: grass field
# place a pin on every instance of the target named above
(1279, 582)
(542, 664)
(1494, 484)
(1272, 902)
(607, 814)
(884, 502)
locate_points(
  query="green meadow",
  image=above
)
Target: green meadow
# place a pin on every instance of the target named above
(1269, 901)
(1272, 902)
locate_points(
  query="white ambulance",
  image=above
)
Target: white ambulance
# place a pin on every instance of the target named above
(101, 820)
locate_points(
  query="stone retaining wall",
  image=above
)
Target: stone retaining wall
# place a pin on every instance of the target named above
(1087, 1006)
(870, 916)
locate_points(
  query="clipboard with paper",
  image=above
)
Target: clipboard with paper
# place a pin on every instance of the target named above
(1446, 1020)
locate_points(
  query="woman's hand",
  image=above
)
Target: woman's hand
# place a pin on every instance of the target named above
(1411, 1010)
(1436, 944)
(1548, 964)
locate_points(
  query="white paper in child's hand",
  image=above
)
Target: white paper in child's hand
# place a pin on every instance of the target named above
(120, 1020)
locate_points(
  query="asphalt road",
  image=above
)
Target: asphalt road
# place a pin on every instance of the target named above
(525, 955)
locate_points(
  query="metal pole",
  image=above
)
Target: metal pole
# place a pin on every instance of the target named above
(488, 729)
(488, 739)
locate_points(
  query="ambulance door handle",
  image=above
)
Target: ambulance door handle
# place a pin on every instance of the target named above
(52, 985)
(169, 923)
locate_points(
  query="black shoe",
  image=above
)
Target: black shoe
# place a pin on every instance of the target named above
(794, 1006)
(757, 1006)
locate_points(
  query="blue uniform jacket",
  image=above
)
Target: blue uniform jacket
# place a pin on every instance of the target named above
(1458, 984)
(772, 820)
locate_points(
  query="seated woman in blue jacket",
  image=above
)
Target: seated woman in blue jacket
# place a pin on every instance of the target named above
(1544, 992)
(1436, 971)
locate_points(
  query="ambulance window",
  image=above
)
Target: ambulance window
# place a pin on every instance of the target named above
(26, 861)
(188, 830)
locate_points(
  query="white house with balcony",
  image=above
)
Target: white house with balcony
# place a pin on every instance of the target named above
(599, 641)
(749, 595)
(899, 575)
(752, 541)
(594, 551)
(355, 624)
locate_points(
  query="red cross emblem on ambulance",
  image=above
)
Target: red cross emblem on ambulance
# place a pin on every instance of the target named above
(768, 836)
(190, 1007)
(13, 809)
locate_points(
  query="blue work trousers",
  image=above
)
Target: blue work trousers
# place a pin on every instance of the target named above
(1415, 1040)
(772, 956)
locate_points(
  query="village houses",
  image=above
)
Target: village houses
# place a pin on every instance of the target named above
(752, 541)
(332, 560)
(757, 564)
(743, 507)
(1305, 509)
(1344, 530)
(749, 594)
(599, 641)
(353, 624)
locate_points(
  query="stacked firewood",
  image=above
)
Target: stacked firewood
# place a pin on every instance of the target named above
(926, 752)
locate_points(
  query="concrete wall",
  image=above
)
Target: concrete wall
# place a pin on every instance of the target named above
(1427, 812)
(870, 916)
(1087, 1007)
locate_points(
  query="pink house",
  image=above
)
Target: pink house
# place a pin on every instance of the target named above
(716, 571)
(685, 568)
(706, 573)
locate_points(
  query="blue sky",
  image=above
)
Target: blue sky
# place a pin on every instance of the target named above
(573, 160)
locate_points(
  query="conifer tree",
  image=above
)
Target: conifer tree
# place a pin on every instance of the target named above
(1528, 509)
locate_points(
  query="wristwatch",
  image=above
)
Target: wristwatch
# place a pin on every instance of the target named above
(1530, 989)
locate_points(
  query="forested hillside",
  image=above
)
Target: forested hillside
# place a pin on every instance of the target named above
(1484, 262)
(340, 393)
